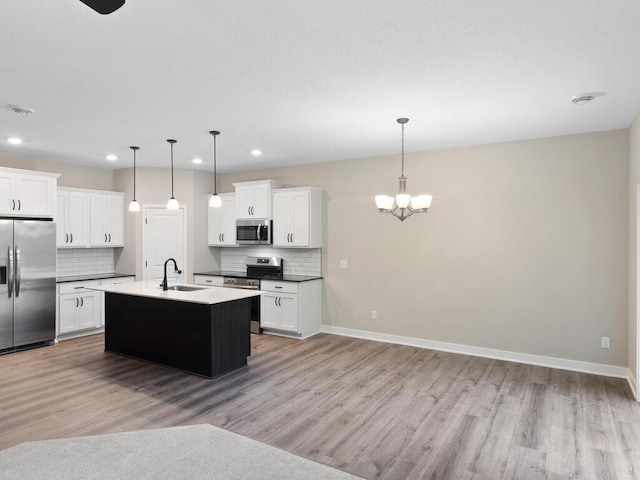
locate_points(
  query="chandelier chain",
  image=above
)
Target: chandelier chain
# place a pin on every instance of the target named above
(402, 149)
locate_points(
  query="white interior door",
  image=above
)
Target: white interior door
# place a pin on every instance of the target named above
(165, 233)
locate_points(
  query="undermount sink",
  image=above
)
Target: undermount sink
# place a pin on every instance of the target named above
(185, 288)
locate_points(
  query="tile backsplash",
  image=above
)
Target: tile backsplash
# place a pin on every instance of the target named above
(81, 261)
(297, 261)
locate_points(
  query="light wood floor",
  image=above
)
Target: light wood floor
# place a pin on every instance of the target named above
(372, 409)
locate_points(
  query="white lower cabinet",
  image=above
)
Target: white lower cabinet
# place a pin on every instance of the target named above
(291, 308)
(78, 308)
(81, 311)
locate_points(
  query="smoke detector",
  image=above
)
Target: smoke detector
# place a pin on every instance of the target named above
(21, 111)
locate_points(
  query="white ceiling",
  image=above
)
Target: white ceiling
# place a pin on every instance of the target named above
(308, 80)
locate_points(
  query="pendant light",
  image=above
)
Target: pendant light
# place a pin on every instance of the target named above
(134, 206)
(403, 205)
(172, 204)
(215, 201)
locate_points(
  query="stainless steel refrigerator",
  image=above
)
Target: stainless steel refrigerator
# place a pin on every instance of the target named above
(27, 283)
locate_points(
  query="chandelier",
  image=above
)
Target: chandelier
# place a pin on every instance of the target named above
(403, 205)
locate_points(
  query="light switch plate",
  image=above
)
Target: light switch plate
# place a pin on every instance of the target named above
(344, 263)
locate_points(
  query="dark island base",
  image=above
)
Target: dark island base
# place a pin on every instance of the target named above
(207, 340)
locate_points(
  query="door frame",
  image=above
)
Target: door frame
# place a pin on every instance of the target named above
(143, 217)
(636, 378)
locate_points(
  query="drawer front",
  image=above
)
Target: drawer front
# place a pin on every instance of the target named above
(76, 287)
(278, 286)
(208, 280)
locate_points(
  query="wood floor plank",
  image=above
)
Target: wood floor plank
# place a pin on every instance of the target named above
(376, 410)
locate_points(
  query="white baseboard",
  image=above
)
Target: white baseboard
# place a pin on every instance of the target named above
(632, 383)
(527, 358)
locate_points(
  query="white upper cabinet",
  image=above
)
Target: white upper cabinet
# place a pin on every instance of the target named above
(27, 194)
(107, 219)
(297, 217)
(222, 222)
(72, 219)
(253, 199)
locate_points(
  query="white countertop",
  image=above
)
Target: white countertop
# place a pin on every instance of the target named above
(207, 295)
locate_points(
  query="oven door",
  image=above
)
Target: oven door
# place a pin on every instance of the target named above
(255, 301)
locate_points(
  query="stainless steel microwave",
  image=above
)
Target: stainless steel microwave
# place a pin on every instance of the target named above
(254, 232)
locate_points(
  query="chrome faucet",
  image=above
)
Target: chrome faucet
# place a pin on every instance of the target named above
(164, 284)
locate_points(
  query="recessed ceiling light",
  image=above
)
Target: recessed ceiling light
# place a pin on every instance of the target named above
(14, 140)
(197, 161)
(111, 157)
(256, 152)
(21, 111)
(582, 99)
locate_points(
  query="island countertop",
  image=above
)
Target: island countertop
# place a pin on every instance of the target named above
(206, 295)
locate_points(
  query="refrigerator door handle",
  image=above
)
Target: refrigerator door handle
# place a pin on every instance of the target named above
(17, 270)
(10, 272)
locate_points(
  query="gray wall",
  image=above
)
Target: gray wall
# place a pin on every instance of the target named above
(524, 249)
(71, 175)
(634, 211)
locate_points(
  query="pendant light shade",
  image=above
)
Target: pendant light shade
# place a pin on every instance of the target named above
(215, 201)
(134, 206)
(172, 204)
(403, 205)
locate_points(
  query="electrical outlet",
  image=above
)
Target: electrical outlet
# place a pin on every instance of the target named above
(605, 342)
(344, 263)
(374, 315)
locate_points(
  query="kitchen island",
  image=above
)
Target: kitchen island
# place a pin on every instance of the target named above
(200, 330)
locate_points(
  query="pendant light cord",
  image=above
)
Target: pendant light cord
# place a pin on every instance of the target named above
(171, 170)
(215, 173)
(134, 174)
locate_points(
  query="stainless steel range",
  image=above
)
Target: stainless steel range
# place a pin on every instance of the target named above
(258, 268)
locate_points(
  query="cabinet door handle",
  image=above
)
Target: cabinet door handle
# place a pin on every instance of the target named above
(71, 234)
(77, 302)
(275, 301)
(208, 281)
(105, 238)
(248, 210)
(19, 205)
(223, 237)
(13, 204)
(278, 286)
(78, 288)
(66, 238)
(82, 301)
(109, 238)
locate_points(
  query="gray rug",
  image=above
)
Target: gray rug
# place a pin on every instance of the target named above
(180, 453)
